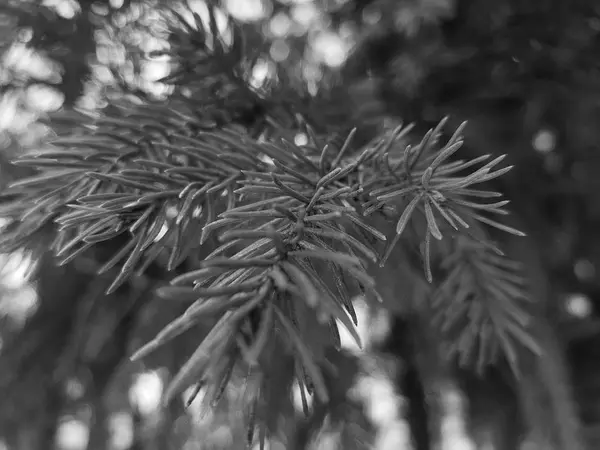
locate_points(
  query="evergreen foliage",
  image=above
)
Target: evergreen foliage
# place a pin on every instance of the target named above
(258, 209)
(295, 239)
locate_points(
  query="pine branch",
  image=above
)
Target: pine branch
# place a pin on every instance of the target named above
(481, 306)
(292, 224)
(215, 60)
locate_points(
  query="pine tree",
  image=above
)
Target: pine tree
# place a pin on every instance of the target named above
(265, 210)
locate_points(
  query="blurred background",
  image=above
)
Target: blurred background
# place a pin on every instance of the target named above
(525, 74)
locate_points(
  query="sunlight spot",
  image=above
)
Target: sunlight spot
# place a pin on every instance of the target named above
(74, 389)
(23, 59)
(280, 25)
(25, 35)
(297, 397)
(331, 49)
(72, 435)
(103, 74)
(155, 69)
(362, 313)
(247, 10)
(379, 325)
(584, 269)
(301, 139)
(20, 305)
(396, 435)
(260, 73)
(578, 305)
(382, 404)
(279, 50)
(267, 159)
(44, 98)
(102, 10)
(121, 431)
(64, 8)
(162, 232)
(16, 269)
(187, 394)
(116, 4)
(8, 106)
(454, 434)
(544, 141)
(305, 15)
(146, 392)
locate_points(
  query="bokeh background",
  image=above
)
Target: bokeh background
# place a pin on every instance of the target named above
(525, 74)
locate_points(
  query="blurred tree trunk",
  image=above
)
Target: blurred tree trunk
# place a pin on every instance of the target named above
(124, 306)
(99, 437)
(31, 386)
(493, 415)
(409, 382)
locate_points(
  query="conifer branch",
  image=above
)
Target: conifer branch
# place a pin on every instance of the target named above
(481, 306)
(292, 223)
(284, 228)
